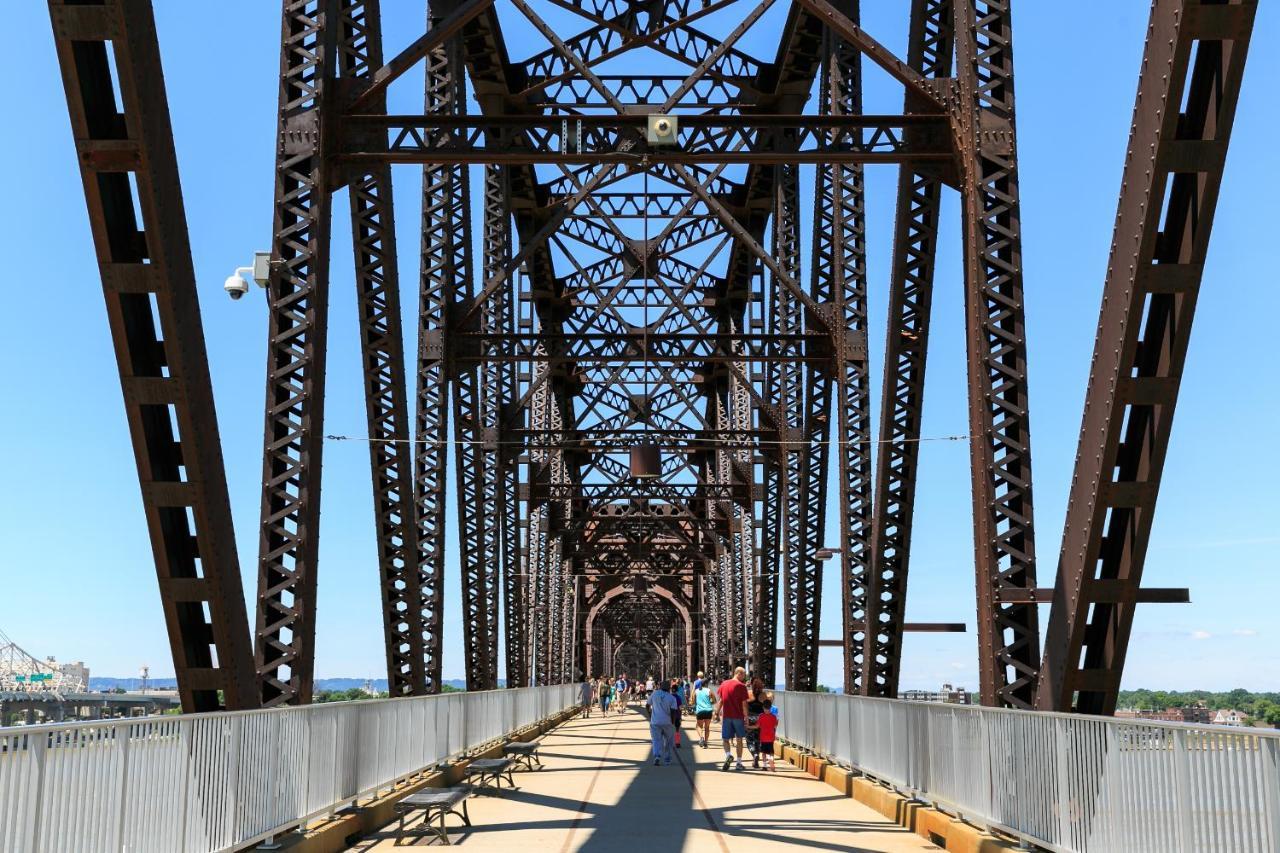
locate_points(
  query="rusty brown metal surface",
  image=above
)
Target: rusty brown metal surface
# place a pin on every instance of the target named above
(1182, 122)
(127, 161)
(641, 379)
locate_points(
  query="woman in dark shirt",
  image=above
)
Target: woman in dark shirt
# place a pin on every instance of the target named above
(755, 707)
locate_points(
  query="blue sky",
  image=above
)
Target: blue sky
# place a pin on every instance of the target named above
(76, 578)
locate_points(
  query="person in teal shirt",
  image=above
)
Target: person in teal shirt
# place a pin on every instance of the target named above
(704, 708)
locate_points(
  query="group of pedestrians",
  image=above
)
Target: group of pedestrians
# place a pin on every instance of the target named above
(748, 718)
(745, 711)
(611, 694)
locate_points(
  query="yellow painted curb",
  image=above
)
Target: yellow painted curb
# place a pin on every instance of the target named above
(839, 778)
(933, 825)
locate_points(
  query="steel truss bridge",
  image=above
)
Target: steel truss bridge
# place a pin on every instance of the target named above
(640, 352)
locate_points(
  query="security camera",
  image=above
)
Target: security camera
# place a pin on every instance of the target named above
(236, 286)
(663, 129)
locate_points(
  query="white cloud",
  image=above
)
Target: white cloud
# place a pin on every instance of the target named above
(1245, 632)
(1200, 635)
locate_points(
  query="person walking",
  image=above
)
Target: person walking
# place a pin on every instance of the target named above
(620, 694)
(586, 695)
(648, 686)
(733, 713)
(755, 707)
(662, 706)
(674, 690)
(604, 691)
(767, 725)
(703, 708)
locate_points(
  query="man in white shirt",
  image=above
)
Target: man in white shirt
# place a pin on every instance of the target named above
(661, 730)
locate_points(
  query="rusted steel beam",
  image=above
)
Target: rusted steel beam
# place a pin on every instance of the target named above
(915, 243)
(1004, 542)
(1187, 96)
(382, 356)
(127, 160)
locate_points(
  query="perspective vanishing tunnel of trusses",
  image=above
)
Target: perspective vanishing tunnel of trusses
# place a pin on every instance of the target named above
(640, 382)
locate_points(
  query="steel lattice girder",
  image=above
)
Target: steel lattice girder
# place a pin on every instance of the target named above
(296, 349)
(1187, 96)
(840, 279)
(1004, 544)
(593, 139)
(906, 346)
(154, 314)
(382, 348)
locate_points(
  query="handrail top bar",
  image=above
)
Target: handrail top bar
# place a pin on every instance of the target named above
(223, 715)
(1202, 728)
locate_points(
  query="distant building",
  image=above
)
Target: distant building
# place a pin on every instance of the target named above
(948, 695)
(1192, 714)
(73, 670)
(1197, 713)
(1229, 718)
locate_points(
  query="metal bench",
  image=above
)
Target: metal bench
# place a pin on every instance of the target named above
(433, 802)
(523, 752)
(487, 774)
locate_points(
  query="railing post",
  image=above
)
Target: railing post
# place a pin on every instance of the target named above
(184, 743)
(39, 745)
(1270, 748)
(306, 761)
(1062, 753)
(122, 746)
(1182, 792)
(233, 776)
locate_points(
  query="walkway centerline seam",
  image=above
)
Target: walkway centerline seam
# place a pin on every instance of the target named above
(702, 806)
(582, 806)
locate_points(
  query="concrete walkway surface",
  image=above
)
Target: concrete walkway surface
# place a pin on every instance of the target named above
(599, 792)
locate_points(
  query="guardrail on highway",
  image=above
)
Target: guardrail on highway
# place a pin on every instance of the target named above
(1064, 782)
(207, 782)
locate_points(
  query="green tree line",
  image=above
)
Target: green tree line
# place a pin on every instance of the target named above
(355, 694)
(1258, 706)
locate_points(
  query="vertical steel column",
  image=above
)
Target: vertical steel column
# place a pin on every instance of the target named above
(744, 536)
(445, 270)
(382, 352)
(1187, 96)
(840, 280)
(1004, 542)
(154, 313)
(803, 572)
(719, 618)
(768, 570)
(910, 298)
(539, 524)
(298, 293)
(558, 560)
(476, 415)
(721, 512)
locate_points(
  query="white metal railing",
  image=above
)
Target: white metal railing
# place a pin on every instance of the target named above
(206, 782)
(1065, 782)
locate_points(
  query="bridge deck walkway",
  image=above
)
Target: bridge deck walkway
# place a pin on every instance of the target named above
(599, 792)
